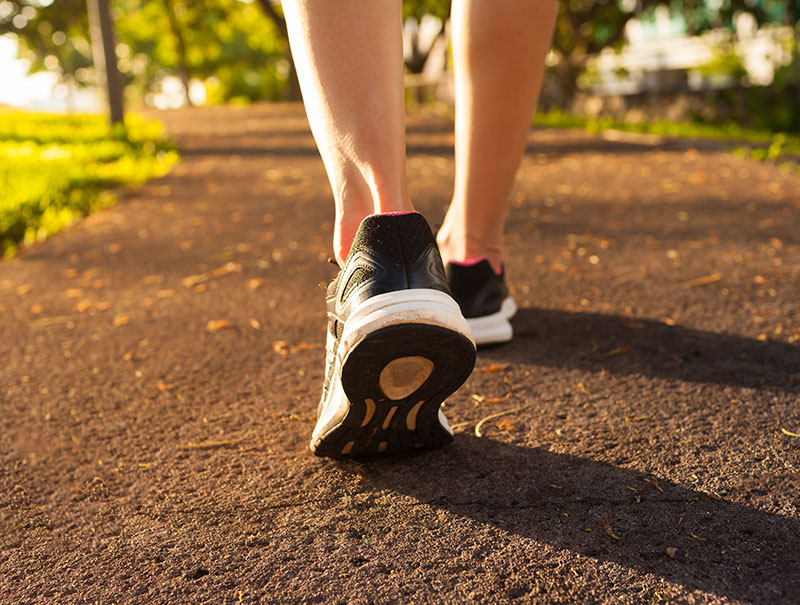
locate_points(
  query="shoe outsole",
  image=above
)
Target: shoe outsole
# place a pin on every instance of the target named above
(495, 329)
(395, 380)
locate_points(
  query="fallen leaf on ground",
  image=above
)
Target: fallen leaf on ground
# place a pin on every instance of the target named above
(304, 346)
(495, 399)
(506, 425)
(255, 324)
(609, 531)
(226, 269)
(493, 368)
(215, 325)
(655, 484)
(480, 424)
(634, 325)
(698, 538)
(671, 552)
(193, 280)
(790, 433)
(668, 321)
(207, 445)
(703, 281)
(83, 305)
(121, 320)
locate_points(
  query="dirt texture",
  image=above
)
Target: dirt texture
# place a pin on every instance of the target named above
(636, 442)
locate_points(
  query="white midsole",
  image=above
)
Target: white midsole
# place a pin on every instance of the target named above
(421, 306)
(494, 328)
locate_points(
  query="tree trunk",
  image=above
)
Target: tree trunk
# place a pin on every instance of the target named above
(292, 83)
(183, 68)
(104, 55)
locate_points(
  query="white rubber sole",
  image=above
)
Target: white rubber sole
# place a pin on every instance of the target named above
(407, 309)
(495, 328)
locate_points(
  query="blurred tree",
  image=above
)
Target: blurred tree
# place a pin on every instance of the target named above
(240, 48)
(104, 55)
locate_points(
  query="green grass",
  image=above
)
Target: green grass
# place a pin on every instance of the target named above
(759, 144)
(55, 169)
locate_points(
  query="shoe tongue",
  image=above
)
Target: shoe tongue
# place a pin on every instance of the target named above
(402, 236)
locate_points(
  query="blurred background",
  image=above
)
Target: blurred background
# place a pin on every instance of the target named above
(631, 59)
(722, 68)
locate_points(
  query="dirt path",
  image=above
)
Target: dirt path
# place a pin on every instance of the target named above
(147, 455)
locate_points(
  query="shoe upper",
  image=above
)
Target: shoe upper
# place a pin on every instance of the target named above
(477, 288)
(390, 252)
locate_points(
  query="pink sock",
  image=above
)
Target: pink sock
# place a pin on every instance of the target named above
(470, 262)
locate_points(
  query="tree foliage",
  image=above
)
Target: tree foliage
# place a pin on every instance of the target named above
(240, 48)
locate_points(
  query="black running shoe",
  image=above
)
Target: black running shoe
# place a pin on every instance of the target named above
(484, 299)
(397, 344)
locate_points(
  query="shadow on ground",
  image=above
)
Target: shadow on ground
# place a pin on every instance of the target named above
(575, 504)
(629, 345)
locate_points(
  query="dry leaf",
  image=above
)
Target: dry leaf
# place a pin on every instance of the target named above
(304, 346)
(703, 281)
(654, 483)
(121, 320)
(698, 538)
(493, 368)
(83, 305)
(255, 324)
(480, 424)
(495, 399)
(193, 280)
(207, 445)
(215, 325)
(672, 552)
(789, 433)
(609, 531)
(226, 269)
(506, 425)
(634, 325)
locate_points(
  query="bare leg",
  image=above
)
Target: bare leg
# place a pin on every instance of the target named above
(349, 58)
(499, 47)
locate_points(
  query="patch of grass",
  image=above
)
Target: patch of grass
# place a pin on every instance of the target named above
(55, 169)
(763, 144)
